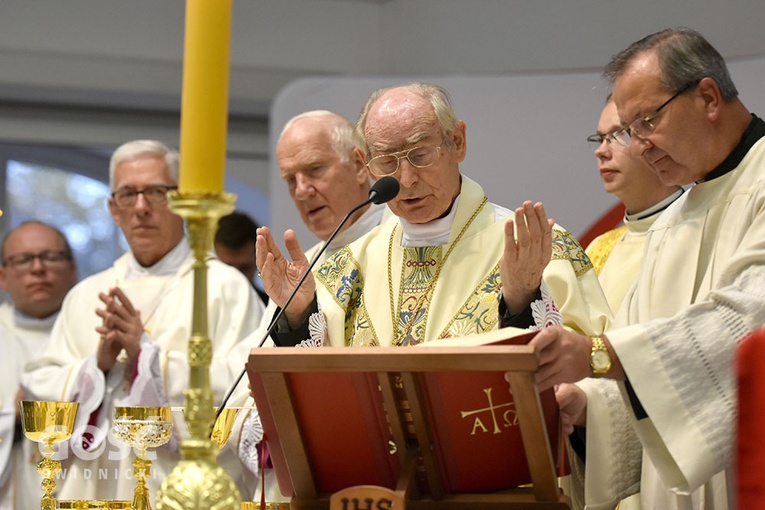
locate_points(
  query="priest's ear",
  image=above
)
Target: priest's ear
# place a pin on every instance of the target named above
(359, 166)
(709, 93)
(459, 140)
(359, 158)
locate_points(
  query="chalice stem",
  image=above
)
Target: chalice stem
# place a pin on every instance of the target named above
(48, 468)
(142, 469)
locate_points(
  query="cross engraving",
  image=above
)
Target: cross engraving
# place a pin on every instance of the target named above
(508, 416)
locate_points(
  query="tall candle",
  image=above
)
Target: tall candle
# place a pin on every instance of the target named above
(204, 106)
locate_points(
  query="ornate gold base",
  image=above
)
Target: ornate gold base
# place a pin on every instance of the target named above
(83, 504)
(198, 484)
(251, 505)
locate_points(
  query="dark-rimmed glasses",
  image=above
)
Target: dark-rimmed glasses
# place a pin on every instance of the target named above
(419, 157)
(48, 258)
(154, 195)
(643, 126)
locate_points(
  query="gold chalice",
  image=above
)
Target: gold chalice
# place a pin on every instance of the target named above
(142, 428)
(48, 423)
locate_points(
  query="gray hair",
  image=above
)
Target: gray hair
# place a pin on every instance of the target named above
(137, 148)
(684, 56)
(339, 128)
(437, 96)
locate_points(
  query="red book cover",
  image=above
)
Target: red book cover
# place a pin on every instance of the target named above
(471, 416)
(343, 426)
(476, 431)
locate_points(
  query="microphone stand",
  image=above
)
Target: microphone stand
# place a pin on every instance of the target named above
(375, 196)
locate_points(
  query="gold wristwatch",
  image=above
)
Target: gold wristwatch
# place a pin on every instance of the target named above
(600, 359)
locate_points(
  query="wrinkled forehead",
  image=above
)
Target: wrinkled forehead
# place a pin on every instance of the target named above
(146, 168)
(397, 122)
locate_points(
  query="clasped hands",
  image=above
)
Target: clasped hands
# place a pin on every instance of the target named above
(121, 328)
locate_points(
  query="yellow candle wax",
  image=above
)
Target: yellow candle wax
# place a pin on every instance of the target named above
(204, 107)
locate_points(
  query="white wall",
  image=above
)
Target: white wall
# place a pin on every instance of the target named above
(526, 135)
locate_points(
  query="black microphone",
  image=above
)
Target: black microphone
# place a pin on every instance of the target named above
(381, 192)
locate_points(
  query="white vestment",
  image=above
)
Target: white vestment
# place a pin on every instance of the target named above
(21, 337)
(454, 289)
(362, 288)
(67, 369)
(618, 254)
(699, 292)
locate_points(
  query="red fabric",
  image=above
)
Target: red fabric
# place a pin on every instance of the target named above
(265, 461)
(87, 436)
(750, 444)
(134, 371)
(609, 220)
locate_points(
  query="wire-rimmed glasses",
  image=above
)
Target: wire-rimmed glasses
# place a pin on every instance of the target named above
(421, 156)
(643, 126)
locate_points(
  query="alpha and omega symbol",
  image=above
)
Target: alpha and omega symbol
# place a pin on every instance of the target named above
(502, 415)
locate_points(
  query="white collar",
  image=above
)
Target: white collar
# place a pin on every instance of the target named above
(169, 265)
(657, 207)
(27, 321)
(432, 233)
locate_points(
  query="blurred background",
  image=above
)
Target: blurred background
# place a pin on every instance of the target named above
(80, 77)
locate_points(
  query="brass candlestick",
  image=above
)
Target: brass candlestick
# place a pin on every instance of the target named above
(198, 482)
(142, 428)
(48, 423)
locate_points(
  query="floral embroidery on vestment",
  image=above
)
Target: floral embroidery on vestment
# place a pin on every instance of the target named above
(566, 247)
(341, 275)
(479, 313)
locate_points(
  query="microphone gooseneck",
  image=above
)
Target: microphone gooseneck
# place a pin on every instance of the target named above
(381, 192)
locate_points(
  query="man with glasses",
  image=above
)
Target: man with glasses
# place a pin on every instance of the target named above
(326, 177)
(617, 256)
(37, 271)
(699, 290)
(618, 253)
(122, 335)
(434, 271)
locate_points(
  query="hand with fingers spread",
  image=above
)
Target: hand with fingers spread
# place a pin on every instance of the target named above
(528, 248)
(280, 276)
(121, 328)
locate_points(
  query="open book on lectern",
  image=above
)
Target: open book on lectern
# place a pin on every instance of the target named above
(342, 421)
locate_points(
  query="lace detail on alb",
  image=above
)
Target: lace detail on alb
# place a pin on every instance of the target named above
(317, 327)
(544, 311)
(252, 435)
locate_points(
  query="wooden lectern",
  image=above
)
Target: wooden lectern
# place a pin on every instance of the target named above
(397, 418)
